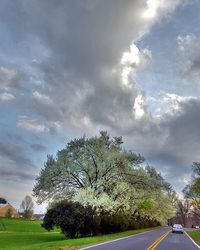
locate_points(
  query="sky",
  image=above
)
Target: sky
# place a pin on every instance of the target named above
(69, 68)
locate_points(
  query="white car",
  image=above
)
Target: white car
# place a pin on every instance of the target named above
(177, 228)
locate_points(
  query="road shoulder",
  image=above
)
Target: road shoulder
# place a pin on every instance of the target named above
(194, 236)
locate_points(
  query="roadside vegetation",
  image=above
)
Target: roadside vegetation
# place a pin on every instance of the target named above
(76, 220)
(20, 234)
(195, 235)
(94, 187)
(192, 190)
(188, 209)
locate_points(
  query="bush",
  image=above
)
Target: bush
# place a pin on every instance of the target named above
(76, 220)
(106, 224)
(113, 223)
(121, 222)
(134, 224)
(72, 218)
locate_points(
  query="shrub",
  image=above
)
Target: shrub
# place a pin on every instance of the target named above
(113, 223)
(72, 218)
(76, 220)
(134, 224)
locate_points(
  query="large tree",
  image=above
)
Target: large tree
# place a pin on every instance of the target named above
(97, 171)
(98, 163)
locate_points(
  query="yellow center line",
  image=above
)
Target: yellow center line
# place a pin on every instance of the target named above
(157, 241)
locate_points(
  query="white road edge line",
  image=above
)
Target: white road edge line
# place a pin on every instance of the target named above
(110, 241)
(192, 240)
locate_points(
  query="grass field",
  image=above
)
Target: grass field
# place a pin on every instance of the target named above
(195, 235)
(18, 234)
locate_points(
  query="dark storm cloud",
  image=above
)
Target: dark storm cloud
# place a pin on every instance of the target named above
(85, 43)
(14, 153)
(39, 147)
(79, 37)
(184, 134)
(82, 75)
(15, 175)
(177, 147)
(15, 163)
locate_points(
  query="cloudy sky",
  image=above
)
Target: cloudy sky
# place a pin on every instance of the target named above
(69, 68)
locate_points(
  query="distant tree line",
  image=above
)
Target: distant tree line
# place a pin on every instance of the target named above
(192, 190)
(189, 205)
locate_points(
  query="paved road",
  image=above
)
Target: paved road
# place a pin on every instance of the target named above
(177, 242)
(144, 240)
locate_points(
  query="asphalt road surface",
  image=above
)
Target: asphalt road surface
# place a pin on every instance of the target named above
(176, 242)
(158, 239)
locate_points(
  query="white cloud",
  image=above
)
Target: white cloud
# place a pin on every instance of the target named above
(173, 102)
(136, 58)
(131, 57)
(189, 52)
(160, 8)
(132, 61)
(138, 107)
(185, 42)
(31, 125)
(6, 97)
(167, 103)
(152, 6)
(7, 76)
(7, 73)
(42, 98)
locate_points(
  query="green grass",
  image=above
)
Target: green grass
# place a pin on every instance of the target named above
(20, 225)
(18, 234)
(195, 235)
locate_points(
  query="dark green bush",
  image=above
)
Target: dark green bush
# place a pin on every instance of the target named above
(76, 220)
(109, 223)
(72, 218)
(134, 224)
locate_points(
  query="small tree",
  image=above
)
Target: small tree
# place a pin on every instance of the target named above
(27, 206)
(72, 218)
(8, 213)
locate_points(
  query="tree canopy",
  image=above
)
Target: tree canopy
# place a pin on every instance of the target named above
(192, 190)
(99, 172)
